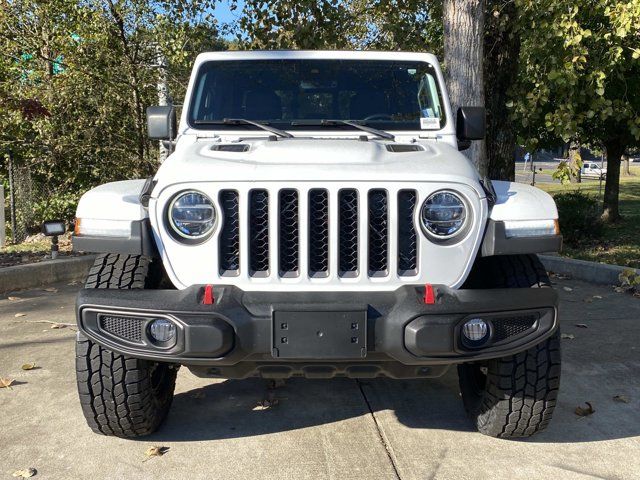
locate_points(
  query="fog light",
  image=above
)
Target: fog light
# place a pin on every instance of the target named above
(475, 329)
(162, 330)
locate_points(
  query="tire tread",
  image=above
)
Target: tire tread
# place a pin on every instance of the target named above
(116, 393)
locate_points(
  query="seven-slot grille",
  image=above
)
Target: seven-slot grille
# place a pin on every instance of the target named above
(368, 234)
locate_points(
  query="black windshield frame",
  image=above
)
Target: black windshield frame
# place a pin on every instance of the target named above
(394, 82)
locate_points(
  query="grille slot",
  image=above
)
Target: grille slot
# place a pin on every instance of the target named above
(318, 233)
(229, 244)
(289, 233)
(507, 327)
(259, 233)
(407, 237)
(348, 232)
(124, 327)
(378, 233)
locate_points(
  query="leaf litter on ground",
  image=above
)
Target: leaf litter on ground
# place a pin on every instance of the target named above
(155, 451)
(268, 402)
(621, 398)
(582, 325)
(29, 366)
(25, 473)
(585, 411)
(567, 336)
(6, 382)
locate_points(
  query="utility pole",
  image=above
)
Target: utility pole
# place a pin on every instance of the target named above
(163, 94)
(12, 200)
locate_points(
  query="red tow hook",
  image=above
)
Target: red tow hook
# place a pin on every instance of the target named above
(208, 298)
(429, 295)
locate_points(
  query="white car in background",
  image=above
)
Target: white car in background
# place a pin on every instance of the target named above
(592, 169)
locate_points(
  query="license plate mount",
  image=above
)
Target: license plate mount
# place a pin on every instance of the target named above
(319, 335)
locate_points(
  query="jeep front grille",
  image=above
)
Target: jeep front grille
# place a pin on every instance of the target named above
(317, 233)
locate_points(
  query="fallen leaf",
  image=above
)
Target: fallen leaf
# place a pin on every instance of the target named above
(25, 473)
(58, 325)
(567, 289)
(29, 366)
(155, 451)
(581, 325)
(265, 404)
(619, 290)
(598, 297)
(6, 382)
(584, 412)
(18, 315)
(567, 336)
(51, 289)
(13, 299)
(621, 398)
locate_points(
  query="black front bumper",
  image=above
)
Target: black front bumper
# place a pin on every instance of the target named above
(241, 333)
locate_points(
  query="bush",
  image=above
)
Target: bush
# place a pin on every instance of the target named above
(59, 206)
(579, 216)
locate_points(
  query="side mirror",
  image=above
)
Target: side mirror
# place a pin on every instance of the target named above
(471, 123)
(161, 122)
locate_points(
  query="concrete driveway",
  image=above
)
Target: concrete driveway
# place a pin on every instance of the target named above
(338, 429)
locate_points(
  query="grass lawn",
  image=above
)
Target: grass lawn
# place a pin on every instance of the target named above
(36, 249)
(620, 244)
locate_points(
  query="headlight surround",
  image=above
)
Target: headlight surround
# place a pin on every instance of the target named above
(444, 215)
(191, 215)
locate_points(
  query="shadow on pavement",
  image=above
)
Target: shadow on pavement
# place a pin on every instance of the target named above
(228, 409)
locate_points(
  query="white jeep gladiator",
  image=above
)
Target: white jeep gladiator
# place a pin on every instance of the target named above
(316, 218)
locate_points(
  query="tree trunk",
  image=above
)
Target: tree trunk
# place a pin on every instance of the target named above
(627, 164)
(575, 160)
(501, 52)
(615, 149)
(463, 56)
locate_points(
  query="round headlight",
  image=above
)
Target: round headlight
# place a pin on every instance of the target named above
(192, 215)
(443, 214)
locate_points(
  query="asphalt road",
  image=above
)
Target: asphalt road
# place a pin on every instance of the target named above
(338, 429)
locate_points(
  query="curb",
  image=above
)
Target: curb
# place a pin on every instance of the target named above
(43, 273)
(593, 272)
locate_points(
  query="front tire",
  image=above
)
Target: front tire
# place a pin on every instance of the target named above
(122, 396)
(512, 396)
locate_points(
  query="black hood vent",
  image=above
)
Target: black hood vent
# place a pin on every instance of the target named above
(404, 147)
(231, 147)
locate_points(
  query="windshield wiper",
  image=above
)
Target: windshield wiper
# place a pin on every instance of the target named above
(351, 123)
(244, 121)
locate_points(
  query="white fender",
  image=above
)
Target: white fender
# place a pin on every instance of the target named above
(109, 209)
(521, 202)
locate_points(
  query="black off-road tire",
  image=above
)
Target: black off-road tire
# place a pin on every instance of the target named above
(512, 396)
(122, 396)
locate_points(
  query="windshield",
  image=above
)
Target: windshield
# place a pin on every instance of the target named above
(299, 94)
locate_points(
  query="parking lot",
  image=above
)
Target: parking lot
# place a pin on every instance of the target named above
(338, 429)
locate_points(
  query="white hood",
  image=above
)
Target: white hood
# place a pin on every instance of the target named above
(313, 159)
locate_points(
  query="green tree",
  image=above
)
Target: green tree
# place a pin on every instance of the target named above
(349, 24)
(76, 77)
(579, 66)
